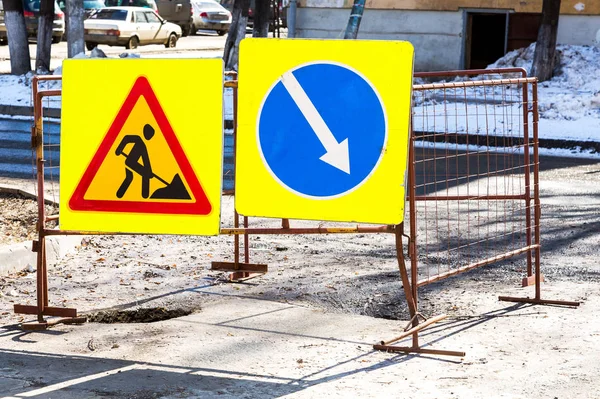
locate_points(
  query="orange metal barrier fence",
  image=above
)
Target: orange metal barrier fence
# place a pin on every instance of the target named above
(473, 196)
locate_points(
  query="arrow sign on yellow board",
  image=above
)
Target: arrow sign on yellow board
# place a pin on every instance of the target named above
(337, 154)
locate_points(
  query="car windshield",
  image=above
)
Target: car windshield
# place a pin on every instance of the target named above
(118, 15)
(92, 4)
(34, 6)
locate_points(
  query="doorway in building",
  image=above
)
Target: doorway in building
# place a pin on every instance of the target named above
(486, 36)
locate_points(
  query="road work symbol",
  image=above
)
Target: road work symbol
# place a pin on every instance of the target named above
(174, 190)
(129, 171)
(322, 130)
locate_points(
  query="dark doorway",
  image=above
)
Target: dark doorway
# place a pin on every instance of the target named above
(485, 39)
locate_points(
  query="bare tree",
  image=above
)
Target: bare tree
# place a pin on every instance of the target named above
(545, 48)
(16, 31)
(261, 18)
(74, 22)
(237, 32)
(44, 36)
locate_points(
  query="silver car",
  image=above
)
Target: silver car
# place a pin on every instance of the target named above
(129, 27)
(208, 14)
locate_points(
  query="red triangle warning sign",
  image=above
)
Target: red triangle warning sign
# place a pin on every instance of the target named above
(140, 166)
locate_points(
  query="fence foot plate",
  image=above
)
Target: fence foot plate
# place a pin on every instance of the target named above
(48, 311)
(37, 326)
(410, 349)
(529, 281)
(239, 267)
(238, 277)
(537, 301)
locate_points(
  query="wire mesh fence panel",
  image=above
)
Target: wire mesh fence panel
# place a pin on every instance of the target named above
(471, 167)
(50, 111)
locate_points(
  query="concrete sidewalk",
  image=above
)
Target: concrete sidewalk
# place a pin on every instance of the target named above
(239, 347)
(18, 256)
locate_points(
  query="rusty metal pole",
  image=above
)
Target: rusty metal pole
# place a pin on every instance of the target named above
(412, 241)
(246, 246)
(38, 143)
(236, 220)
(408, 292)
(526, 158)
(536, 193)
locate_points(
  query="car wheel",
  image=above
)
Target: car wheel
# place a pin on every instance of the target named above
(193, 30)
(90, 46)
(56, 39)
(221, 32)
(3, 42)
(172, 41)
(132, 43)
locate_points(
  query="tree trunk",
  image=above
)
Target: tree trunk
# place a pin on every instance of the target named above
(354, 20)
(261, 18)
(16, 31)
(237, 32)
(74, 22)
(44, 36)
(545, 48)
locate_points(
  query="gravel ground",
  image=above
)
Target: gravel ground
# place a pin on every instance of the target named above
(512, 351)
(18, 217)
(341, 273)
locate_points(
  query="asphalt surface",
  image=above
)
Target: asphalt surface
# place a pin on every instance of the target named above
(205, 44)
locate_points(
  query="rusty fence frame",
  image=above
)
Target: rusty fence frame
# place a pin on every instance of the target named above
(532, 247)
(243, 270)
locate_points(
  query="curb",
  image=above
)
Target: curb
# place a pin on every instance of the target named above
(21, 110)
(16, 257)
(5, 188)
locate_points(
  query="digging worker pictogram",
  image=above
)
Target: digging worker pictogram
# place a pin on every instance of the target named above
(174, 190)
(132, 164)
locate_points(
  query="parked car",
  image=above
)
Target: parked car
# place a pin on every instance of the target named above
(132, 3)
(129, 27)
(208, 14)
(178, 12)
(3, 37)
(89, 6)
(31, 12)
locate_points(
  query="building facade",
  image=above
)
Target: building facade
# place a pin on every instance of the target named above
(451, 34)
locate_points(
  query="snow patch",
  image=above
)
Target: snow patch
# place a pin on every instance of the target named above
(579, 7)
(573, 92)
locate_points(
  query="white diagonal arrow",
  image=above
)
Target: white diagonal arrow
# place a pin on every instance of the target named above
(337, 154)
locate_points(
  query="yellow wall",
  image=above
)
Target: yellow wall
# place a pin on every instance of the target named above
(581, 7)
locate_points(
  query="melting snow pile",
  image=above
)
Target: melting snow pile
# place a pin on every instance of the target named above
(574, 90)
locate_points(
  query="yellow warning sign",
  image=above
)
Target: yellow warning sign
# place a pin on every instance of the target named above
(140, 178)
(323, 129)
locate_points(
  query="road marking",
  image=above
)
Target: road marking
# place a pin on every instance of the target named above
(65, 384)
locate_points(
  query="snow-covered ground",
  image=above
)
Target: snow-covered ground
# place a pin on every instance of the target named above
(569, 104)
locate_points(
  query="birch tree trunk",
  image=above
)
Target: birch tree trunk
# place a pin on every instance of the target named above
(44, 36)
(16, 32)
(545, 48)
(74, 21)
(237, 32)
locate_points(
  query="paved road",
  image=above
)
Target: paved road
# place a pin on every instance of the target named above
(203, 45)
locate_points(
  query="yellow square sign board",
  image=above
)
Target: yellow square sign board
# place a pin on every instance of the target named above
(140, 152)
(323, 129)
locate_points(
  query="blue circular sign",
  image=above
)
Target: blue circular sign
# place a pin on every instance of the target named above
(322, 130)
